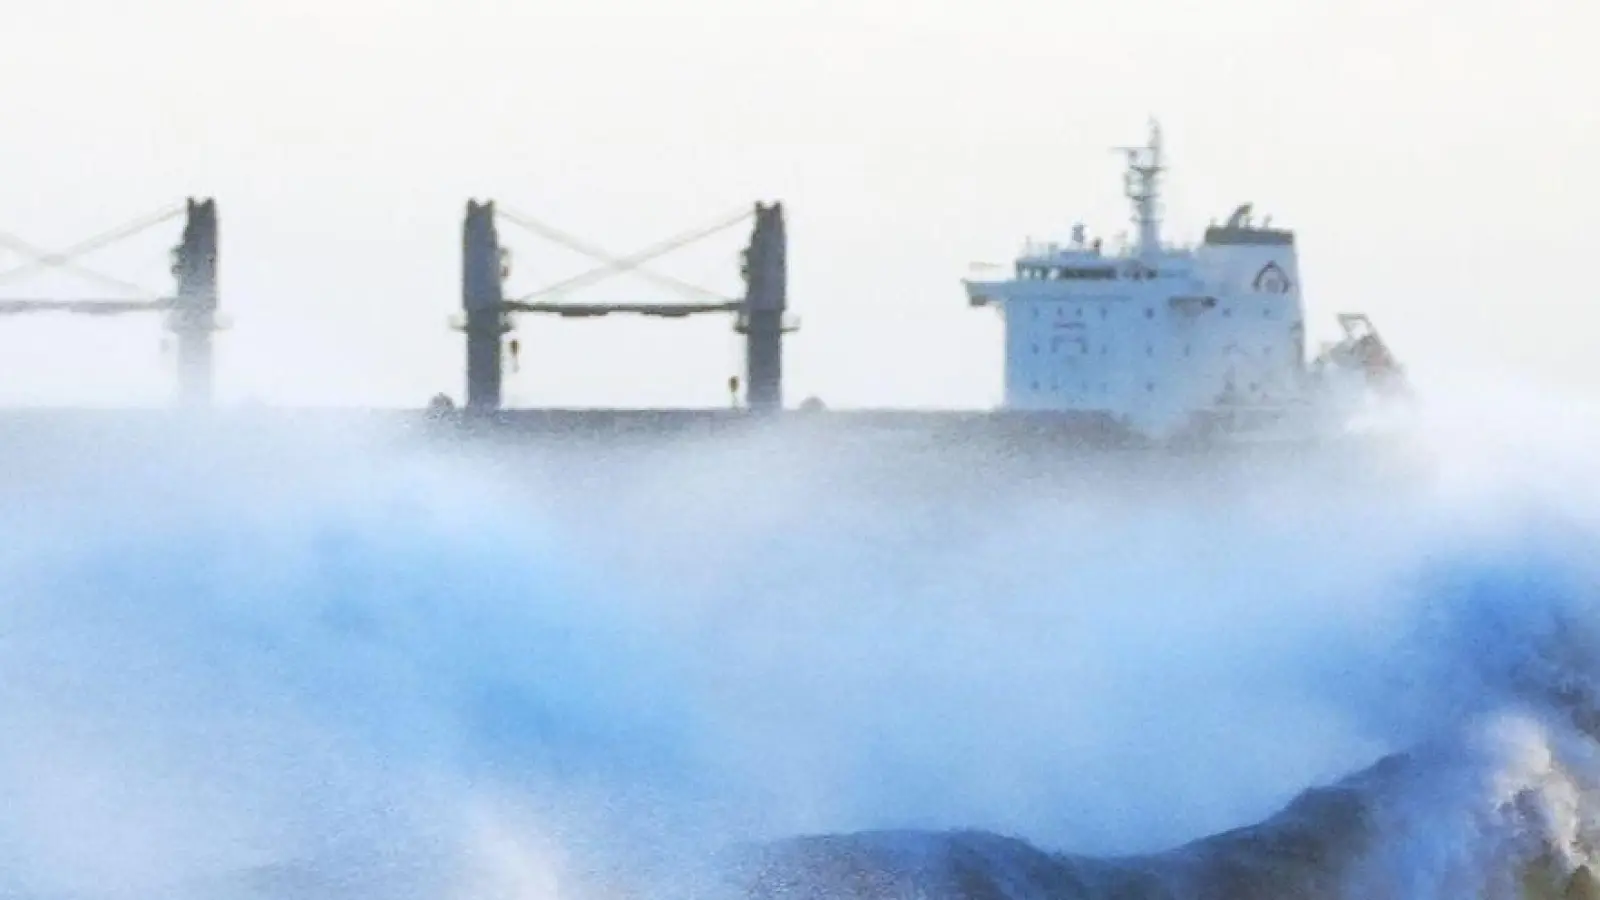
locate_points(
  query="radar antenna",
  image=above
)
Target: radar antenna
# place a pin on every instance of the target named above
(1142, 184)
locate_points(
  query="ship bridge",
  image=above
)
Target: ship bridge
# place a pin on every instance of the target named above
(1150, 333)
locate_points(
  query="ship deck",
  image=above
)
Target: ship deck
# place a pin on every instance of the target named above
(980, 433)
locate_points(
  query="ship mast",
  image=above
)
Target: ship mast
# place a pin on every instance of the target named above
(1142, 184)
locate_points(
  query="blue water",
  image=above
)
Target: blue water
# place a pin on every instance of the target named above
(518, 673)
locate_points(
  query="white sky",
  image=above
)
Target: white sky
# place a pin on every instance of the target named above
(1437, 159)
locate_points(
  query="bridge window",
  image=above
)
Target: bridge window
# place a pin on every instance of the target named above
(1098, 273)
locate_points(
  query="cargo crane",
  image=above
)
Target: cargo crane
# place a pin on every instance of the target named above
(190, 310)
(760, 315)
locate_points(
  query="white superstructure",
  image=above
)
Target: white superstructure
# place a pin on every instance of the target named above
(1152, 336)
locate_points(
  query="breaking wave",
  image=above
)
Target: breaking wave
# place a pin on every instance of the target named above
(263, 660)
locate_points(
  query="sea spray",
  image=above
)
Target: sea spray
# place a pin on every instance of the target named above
(299, 659)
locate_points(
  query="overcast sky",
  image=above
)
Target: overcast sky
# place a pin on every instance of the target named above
(1437, 159)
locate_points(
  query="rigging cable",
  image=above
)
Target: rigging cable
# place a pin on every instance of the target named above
(42, 259)
(615, 265)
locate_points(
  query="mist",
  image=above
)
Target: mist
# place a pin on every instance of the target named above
(235, 645)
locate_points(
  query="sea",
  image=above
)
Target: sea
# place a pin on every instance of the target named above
(266, 655)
